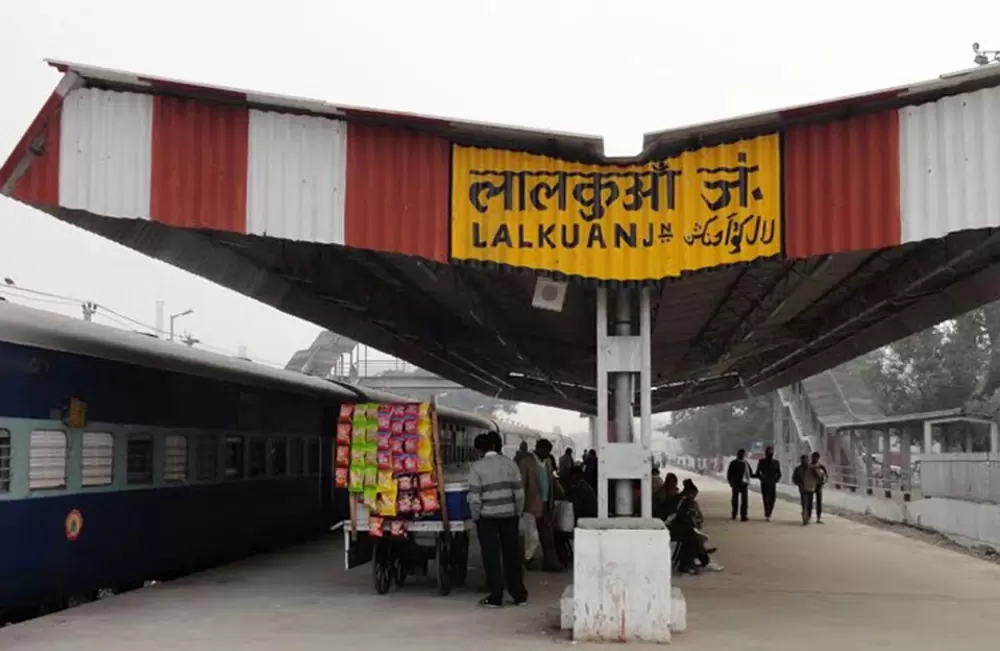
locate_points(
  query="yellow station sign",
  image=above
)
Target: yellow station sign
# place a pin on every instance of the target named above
(704, 208)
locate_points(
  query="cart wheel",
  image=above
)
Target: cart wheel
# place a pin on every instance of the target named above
(459, 558)
(382, 568)
(401, 574)
(443, 564)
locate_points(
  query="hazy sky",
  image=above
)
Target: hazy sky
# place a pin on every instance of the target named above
(615, 69)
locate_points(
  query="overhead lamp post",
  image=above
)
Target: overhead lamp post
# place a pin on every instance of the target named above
(174, 317)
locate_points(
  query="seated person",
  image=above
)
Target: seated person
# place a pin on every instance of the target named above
(686, 528)
(666, 498)
(581, 495)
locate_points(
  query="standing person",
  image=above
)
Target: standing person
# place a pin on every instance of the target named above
(819, 470)
(565, 466)
(496, 499)
(738, 474)
(805, 479)
(540, 494)
(590, 469)
(522, 452)
(769, 474)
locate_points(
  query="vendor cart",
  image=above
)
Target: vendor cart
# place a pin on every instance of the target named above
(395, 558)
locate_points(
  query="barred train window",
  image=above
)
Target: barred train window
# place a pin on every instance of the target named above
(279, 456)
(4, 460)
(234, 457)
(296, 455)
(258, 457)
(98, 459)
(140, 459)
(175, 458)
(47, 459)
(313, 456)
(206, 458)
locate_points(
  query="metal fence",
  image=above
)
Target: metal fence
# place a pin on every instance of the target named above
(961, 476)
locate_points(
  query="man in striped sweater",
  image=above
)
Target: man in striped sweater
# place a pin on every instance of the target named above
(496, 499)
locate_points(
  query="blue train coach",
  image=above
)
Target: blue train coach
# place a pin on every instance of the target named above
(124, 458)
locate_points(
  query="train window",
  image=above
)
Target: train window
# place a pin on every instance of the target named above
(258, 457)
(234, 457)
(279, 456)
(206, 458)
(296, 455)
(313, 464)
(139, 457)
(175, 458)
(4, 460)
(98, 459)
(47, 459)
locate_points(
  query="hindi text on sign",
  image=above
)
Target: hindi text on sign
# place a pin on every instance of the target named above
(618, 222)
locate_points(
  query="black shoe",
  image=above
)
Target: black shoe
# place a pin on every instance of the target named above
(521, 602)
(489, 602)
(744, 519)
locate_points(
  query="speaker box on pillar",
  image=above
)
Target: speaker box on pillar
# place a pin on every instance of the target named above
(549, 294)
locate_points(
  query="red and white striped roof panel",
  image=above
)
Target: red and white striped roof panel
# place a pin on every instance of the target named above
(857, 175)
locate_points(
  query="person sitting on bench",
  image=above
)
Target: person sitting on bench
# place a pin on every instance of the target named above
(686, 528)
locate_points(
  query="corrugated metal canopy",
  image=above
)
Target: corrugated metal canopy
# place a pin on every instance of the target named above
(852, 275)
(717, 335)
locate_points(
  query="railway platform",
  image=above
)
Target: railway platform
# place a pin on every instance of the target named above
(834, 586)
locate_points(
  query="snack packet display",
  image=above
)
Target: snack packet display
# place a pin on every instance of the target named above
(343, 456)
(397, 528)
(371, 452)
(386, 483)
(412, 409)
(383, 441)
(384, 460)
(405, 483)
(384, 422)
(410, 464)
(416, 506)
(340, 477)
(386, 505)
(356, 479)
(396, 428)
(344, 433)
(403, 504)
(376, 526)
(358, 451)
(371, 498)
(410, 445)
(371, 475)
(345, 413)
(424, 410)
(430, 501)
(424, 426)
(398, 465)
(427, 480)
(396, 445)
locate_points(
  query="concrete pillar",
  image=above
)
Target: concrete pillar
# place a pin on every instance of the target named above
(928, 437)
(886, 462)
(969, 447)
(905, 445)
(852, 460)
(994, 439)
(869, 450)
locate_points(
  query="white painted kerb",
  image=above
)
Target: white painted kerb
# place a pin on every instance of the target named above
(621, 584)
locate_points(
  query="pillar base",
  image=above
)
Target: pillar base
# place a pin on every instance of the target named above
(621, 585)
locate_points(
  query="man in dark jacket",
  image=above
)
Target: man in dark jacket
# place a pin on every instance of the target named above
(769, 473)
(738, 475)
(821, 476)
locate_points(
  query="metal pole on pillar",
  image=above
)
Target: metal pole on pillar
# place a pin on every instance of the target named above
(601, 425)
(646, 391)
(623, 401)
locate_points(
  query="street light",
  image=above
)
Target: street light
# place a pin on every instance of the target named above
(174, 317)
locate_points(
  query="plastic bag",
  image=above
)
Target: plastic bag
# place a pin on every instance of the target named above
(565, 520)
(528, 528)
